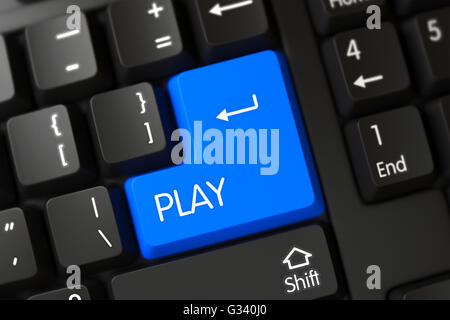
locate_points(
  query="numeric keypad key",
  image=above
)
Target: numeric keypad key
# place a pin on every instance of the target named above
(438, 113)
(428, 38)
(405, 7)
(390, 153)
(367, 69)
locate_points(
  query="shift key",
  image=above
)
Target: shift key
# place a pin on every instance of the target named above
(292, 265)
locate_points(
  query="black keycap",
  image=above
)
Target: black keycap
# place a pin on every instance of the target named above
(291, 265)
(7, 186)
(12, 101)
(17, 261)
(390, 153)
(44, 152)
(408, 237)
(63, 61)
(146, 40)
(428, 39)
(6, 80)
(228, 28)
(405, 7)
(364, 80)
(433, 289)
(64, 294)
(127, 128)
(331, 16)
(438, 115)
(83, 228)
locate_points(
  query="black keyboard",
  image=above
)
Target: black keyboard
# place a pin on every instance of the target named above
(224, 150)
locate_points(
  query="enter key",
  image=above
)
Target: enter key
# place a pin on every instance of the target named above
(246, 164)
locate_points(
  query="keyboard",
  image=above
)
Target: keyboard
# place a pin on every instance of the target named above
(225, 150)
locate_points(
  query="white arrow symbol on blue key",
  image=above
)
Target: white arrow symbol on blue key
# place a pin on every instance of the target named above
(224, 115)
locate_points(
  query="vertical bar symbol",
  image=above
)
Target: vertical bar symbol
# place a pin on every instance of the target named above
(94, 205)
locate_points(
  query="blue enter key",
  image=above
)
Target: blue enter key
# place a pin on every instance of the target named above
(246, 168)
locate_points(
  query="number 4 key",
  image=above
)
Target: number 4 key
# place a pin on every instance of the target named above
(367, 70)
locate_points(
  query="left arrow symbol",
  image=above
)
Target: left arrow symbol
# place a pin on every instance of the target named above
(218, 9)
(362, 82)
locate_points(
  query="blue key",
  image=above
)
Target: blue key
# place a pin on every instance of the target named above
(230, 185)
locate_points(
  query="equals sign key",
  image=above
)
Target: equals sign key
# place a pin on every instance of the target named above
(145, 40)
(163, 42)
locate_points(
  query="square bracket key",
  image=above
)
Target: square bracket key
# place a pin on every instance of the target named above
(44, 151)
(128, 131)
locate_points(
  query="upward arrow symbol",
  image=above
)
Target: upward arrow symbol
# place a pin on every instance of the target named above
(218, 9)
